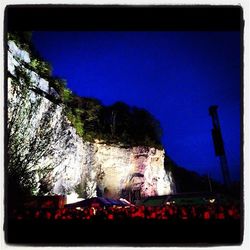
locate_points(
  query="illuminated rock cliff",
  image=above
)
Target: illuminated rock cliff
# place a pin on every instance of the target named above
(42, 141)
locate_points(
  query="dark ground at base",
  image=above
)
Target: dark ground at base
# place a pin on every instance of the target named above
(123, 233)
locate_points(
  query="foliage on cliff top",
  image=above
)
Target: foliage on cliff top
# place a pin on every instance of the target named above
(115, 124)
(23, 40)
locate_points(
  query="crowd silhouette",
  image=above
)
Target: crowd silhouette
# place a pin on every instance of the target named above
(170, 223)
(167, 212)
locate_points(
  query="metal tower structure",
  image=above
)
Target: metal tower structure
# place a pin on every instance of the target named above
(219, 145)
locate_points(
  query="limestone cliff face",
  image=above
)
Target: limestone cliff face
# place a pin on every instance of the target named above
(42, 139)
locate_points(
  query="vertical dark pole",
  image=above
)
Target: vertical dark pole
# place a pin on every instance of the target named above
(219, 145)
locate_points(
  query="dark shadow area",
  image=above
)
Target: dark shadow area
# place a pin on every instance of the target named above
(124, 232)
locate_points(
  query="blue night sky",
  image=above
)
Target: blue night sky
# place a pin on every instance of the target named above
(174, 75)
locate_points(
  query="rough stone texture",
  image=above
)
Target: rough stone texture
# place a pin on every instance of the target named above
(95, 168)
(137, 168)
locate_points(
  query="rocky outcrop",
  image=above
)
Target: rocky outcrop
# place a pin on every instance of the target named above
(42, 140)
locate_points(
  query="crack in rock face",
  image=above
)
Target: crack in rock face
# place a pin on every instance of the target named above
(73, 165)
